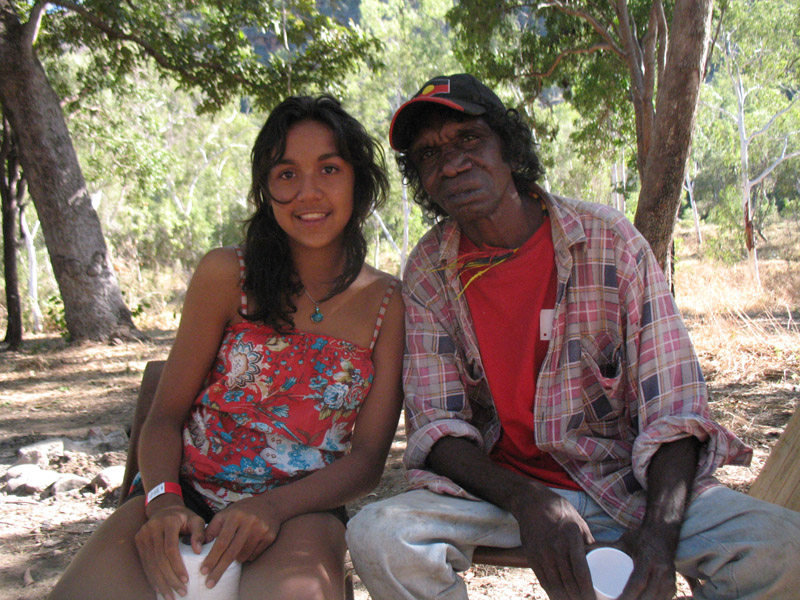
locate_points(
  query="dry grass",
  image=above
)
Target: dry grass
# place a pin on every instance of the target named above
(748, 340)
(743, 332)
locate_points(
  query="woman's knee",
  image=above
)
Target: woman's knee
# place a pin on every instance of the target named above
(301, 586)
(108, 564)
(306, 562)
(310, 579)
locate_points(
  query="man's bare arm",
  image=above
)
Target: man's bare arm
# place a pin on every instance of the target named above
(653, 546)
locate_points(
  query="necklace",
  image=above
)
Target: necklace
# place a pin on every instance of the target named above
(317, 315)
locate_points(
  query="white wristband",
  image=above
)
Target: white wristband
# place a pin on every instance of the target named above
(165, 487)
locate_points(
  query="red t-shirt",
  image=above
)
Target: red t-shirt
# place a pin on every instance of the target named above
(506, 302)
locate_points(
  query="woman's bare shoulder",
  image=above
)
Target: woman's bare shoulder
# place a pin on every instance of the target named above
(217, 282)
(221, 259)
(220, 267)
(377, 284)
(372, 277)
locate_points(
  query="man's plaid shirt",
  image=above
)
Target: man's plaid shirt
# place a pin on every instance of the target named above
(620, 377)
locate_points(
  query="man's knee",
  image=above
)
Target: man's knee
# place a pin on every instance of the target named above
(742, 547)
(372, 526)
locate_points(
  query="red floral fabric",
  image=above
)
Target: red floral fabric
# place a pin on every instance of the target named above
(273, 409)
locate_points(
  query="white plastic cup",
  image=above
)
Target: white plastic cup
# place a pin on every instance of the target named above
(227, 588)
(610, 569)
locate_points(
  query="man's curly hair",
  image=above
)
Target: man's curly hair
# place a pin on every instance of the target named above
(518, 148)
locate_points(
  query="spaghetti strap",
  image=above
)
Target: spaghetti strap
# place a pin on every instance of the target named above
(384, 303)
(240, 255)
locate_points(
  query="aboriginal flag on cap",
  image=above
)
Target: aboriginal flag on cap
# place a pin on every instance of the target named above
(436, 86)
(460, 92)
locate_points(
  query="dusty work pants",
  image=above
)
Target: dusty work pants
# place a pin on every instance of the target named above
(411, 546)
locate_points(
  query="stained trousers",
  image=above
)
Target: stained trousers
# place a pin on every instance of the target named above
(412, 546)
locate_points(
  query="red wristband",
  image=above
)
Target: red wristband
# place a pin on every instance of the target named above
(165, 487)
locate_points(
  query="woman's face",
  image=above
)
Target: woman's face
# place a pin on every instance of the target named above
(311, 187)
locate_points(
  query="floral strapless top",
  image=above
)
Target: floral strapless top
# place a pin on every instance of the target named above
(274, 408)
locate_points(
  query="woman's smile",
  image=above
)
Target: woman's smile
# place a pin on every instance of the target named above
(311, 187)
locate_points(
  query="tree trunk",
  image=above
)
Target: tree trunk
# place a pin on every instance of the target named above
(9, 173)
(13, 304)
(93, 304)
(676, 108)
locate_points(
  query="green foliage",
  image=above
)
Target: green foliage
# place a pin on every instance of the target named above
(713, 162)
(117, 133)
(139, 308)
(168, 184)
(727, 245)
(578, 176)
(747, 118)
(416, 47)
(53, 312)
(535, 48)
(221, 50)
(789, 208)
(175, 201)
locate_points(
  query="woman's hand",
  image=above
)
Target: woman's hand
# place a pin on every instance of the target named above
(157, 544)
(242, 531)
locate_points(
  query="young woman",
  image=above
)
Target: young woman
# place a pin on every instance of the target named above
(281, 394)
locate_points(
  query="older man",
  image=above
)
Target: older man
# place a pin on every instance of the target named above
(553, 397)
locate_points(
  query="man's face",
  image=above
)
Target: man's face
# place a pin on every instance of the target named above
(462, 169)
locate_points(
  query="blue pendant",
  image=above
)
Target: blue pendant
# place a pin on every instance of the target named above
(316, 316)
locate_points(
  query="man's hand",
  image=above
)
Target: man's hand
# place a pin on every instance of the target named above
(653, 576)
(555, 538)
(157, 544)
(242, 531)
(553, 534)
(653, 546)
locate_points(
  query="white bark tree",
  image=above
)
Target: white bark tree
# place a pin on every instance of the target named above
(28, 237)
(755, 52)
(688, 185)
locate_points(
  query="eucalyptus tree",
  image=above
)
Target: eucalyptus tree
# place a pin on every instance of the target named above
(223, 50)
(627, 66)
(756, 87)
(711, 171)
(166, 182)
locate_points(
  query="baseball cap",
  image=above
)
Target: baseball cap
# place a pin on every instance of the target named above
(461, 92)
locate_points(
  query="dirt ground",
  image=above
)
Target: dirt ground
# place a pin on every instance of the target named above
(52, 389)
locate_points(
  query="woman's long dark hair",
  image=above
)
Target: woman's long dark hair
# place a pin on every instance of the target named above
(270, 276)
